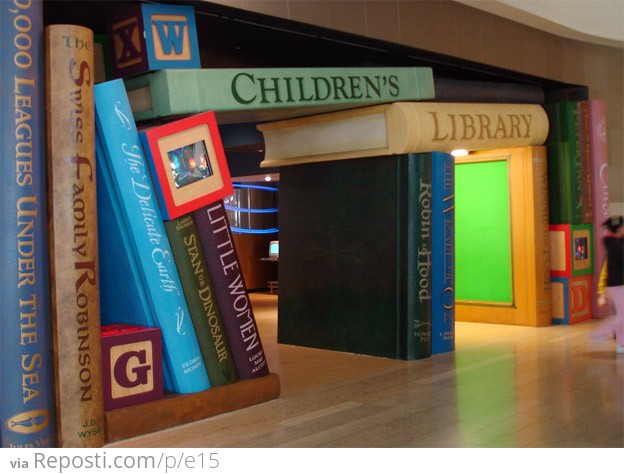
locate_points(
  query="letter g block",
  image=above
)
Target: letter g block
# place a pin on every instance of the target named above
(131, 365)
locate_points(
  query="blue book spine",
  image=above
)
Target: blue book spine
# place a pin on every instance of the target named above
(147, 271)
(26, 379)
(443, 254)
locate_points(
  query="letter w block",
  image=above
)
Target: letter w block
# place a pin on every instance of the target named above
(149, 37)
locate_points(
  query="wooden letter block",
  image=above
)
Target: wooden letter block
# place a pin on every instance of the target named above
(571, 299)
(132, 365)
(188, 165)
(148, 37)
(571, 247)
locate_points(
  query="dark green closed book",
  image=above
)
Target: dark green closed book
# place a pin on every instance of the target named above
(565, 179)
(355, 256)
(200, 297)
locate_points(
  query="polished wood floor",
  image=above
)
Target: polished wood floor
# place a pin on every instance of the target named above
(502, 387)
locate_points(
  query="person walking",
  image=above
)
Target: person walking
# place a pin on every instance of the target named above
(613, 326)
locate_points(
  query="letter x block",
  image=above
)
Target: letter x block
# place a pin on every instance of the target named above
(571, 249)
(131, 365)
(148, 37)
(571, 299)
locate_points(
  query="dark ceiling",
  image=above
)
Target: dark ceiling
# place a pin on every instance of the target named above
(237, 38)
(231, 37)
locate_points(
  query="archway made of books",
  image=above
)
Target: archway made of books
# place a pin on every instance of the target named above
(354, 263)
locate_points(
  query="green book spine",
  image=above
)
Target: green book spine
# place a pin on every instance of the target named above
(571, 121)
(200, 297)
(559, 192)
(355, 267)
(415, 194)
(293, 91)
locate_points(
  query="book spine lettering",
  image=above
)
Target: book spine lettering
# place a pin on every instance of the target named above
(559, 185)
(575, 166)
(176, 92)
(226, 275)
(400, 128)
(585, 159)
(600, 191)
(419, 256)
(74, 273)
(27, 408)
(200, 296)
(125, 170)
(443, 255)
(541, 238)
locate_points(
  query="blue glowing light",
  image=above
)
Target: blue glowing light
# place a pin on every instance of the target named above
(246, 209)
(254, 231)
(254, 186)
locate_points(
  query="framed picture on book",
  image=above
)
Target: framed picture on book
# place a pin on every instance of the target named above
(571, 250)
(188, 164)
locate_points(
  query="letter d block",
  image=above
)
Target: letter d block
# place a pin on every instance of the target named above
(571, 299)
(571, 250)
(148, 37)
(131, 365)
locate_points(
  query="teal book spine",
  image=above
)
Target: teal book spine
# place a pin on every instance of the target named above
(139, 282)
(443, 253)
(415, 213)
(27, 410)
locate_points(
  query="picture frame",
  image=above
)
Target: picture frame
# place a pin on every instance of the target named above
(188, 164)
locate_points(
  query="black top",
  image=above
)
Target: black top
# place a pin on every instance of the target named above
(615, 260)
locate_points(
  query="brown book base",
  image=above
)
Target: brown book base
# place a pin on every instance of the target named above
(175, 409)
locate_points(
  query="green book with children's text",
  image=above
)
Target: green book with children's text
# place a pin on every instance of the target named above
(262, 94)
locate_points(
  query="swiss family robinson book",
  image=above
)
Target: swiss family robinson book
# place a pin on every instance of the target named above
(74, 263)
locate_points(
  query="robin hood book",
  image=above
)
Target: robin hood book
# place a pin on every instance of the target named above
(355, 256)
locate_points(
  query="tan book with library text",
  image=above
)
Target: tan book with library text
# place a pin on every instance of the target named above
(402, 127)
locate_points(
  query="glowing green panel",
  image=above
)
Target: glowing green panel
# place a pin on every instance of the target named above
(483, 235)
